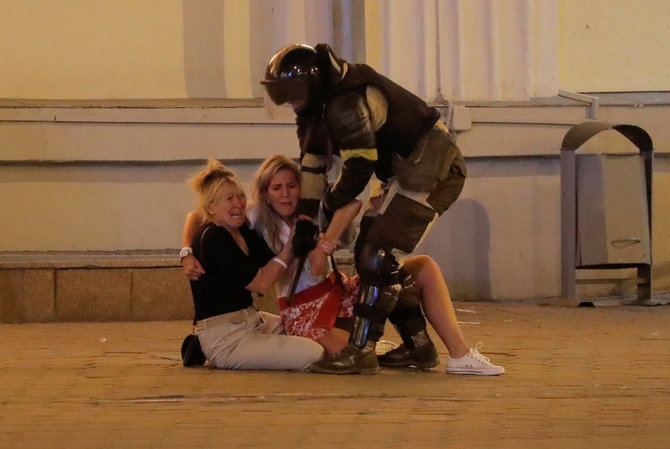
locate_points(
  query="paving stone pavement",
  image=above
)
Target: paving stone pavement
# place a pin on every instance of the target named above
(576, 378)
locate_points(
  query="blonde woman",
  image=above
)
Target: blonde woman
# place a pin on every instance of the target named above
(235, 261)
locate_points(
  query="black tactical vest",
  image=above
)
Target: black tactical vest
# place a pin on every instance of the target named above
(408, 116)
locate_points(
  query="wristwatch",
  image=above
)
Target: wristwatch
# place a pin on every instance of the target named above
(185, 251)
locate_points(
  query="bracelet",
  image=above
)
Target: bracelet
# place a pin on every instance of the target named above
(280, 262)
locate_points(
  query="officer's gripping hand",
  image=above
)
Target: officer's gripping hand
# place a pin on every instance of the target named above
(305, 238)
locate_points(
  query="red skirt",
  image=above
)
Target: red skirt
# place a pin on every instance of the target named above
(314, 310)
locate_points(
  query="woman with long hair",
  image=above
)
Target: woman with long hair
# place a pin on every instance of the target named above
(323, 295)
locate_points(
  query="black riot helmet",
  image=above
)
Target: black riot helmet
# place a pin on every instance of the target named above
(293, 75)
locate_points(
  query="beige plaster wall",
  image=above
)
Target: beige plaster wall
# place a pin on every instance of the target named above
(614, 45)
(82, 49)
(129, 49)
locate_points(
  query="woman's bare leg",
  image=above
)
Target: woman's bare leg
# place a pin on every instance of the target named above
(436, 303)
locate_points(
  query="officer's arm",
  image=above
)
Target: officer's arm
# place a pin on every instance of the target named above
(348, 120)
(314, 143)
(314, 183)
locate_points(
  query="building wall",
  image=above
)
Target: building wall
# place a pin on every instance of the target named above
(467, 50)
(95, 175)
(614, 45)
(118, 183)
(102, 49)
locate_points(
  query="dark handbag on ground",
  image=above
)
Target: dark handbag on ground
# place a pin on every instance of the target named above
(191, 352)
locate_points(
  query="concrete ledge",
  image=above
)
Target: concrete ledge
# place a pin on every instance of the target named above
(93, 286)
(89, 259)
(102, 286)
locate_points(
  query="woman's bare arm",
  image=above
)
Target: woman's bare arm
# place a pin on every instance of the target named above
(192, 268)
(191, 227)
(267, 276)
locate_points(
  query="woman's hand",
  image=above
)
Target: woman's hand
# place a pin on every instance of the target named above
(192, 267)
(318, 258)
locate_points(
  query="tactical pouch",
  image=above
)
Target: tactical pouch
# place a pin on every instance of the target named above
(428, 164)
(402, 225)
(448, 190)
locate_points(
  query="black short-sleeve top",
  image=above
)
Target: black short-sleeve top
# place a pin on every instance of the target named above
(228, 270)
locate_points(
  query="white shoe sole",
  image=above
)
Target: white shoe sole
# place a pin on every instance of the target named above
(475, 372)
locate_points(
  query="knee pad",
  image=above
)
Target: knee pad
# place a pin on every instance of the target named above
(378, 270)
(377, 266)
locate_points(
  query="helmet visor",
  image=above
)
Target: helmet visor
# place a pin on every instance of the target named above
(281, 92)
(275, 111)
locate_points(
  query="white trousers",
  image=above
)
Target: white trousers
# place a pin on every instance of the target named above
(249, 339)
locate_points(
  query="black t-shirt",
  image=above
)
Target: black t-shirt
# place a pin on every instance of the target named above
(227, 270)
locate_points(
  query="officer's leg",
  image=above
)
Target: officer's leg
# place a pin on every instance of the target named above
(378, 271)
(406, 217)
(417, 348)
(405, 220)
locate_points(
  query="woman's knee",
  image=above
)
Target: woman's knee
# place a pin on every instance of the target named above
(416, 264)
(304, 354)
(423, 268)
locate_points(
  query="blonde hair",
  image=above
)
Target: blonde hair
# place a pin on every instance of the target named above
(208, 182)
(268, 220)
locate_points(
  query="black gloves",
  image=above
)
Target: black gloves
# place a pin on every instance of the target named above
(305, 238)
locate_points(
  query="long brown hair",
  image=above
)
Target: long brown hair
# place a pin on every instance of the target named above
(268, 220)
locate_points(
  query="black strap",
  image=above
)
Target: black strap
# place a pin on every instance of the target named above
(338, 275)
(296, 278)
(375, 314)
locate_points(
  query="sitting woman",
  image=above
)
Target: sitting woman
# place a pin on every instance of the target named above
(324, 295)
(236, 261)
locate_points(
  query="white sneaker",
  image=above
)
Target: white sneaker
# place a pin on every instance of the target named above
(473, 363)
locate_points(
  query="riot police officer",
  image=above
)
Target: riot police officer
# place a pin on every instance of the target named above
(375, 126)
